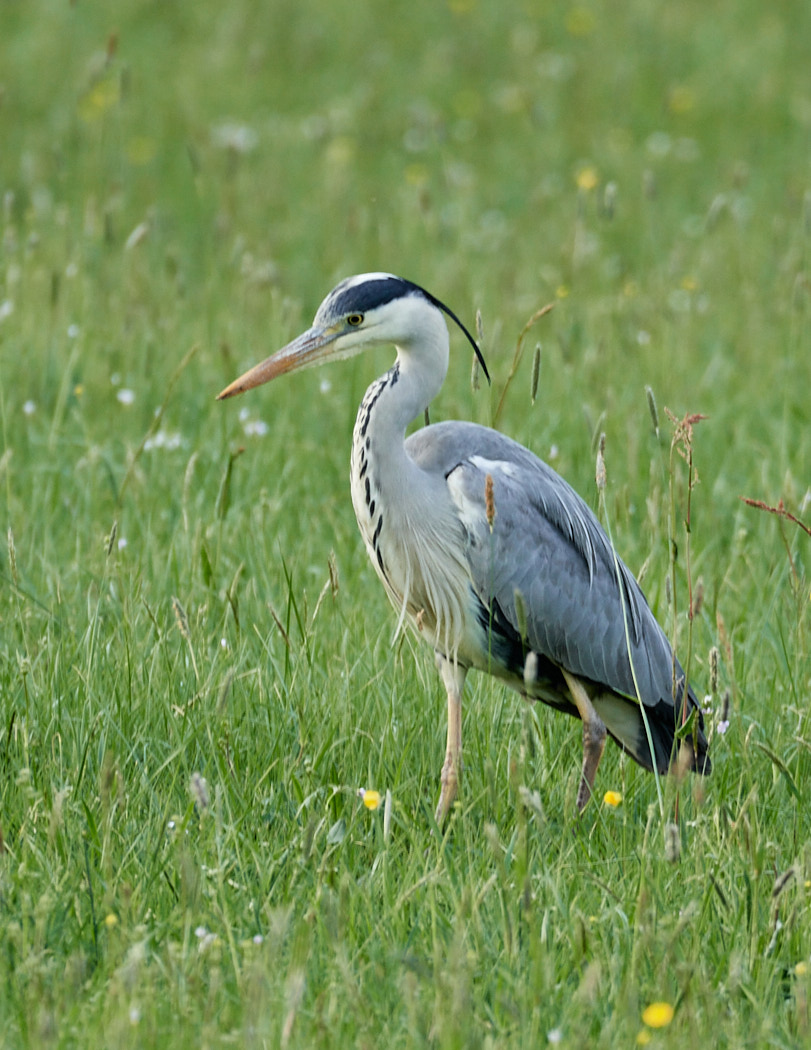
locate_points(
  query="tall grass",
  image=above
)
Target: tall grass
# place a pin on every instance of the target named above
(196, 669)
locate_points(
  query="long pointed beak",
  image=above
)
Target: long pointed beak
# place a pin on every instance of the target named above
(308, 349)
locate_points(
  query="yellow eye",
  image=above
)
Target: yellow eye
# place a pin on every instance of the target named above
(354, 320)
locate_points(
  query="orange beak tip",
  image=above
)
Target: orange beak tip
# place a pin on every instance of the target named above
(231, 390)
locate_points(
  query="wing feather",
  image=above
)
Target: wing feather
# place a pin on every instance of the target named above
(546, 543)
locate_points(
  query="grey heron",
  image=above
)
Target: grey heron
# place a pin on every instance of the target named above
(489, 554)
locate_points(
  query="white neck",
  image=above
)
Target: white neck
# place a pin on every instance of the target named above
(411, 384)
(398, 397)
(403, 511)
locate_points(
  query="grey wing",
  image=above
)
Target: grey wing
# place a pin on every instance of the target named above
(583, 608)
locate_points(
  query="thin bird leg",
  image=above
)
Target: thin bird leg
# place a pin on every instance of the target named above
(593, 737)
(453, 678)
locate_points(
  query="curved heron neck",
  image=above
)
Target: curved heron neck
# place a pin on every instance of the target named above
(402, 509)
(405, 391)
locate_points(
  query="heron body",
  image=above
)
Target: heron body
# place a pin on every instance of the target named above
(487, 552)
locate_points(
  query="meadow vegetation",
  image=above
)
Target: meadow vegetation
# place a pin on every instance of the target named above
(197, 672)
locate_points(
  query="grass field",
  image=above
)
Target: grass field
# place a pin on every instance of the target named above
(196, 663)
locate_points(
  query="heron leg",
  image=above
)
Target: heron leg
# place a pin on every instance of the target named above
(594, 734)
(453, 678)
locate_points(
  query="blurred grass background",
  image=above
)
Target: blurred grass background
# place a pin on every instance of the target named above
(181, 185)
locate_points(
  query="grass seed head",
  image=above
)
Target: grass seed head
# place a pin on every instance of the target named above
(493, 841)
(600, 475)
(199, 791)
(109, 542)
(475, 367)
(536, 373)
(531, 668)
(652, 408)
(181, 618)
(714, 670)
(489, 501)
(474, 374)
(672, 847)
(333, 574)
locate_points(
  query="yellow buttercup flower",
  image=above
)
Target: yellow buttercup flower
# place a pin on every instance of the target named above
(612, 798)
(658, 1015)
(587, 179)
(371, 799)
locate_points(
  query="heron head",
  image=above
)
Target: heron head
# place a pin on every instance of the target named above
(368, 310)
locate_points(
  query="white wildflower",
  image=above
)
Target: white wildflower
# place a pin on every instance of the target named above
(236, 137)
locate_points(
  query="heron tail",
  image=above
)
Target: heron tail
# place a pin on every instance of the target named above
(635, 732)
